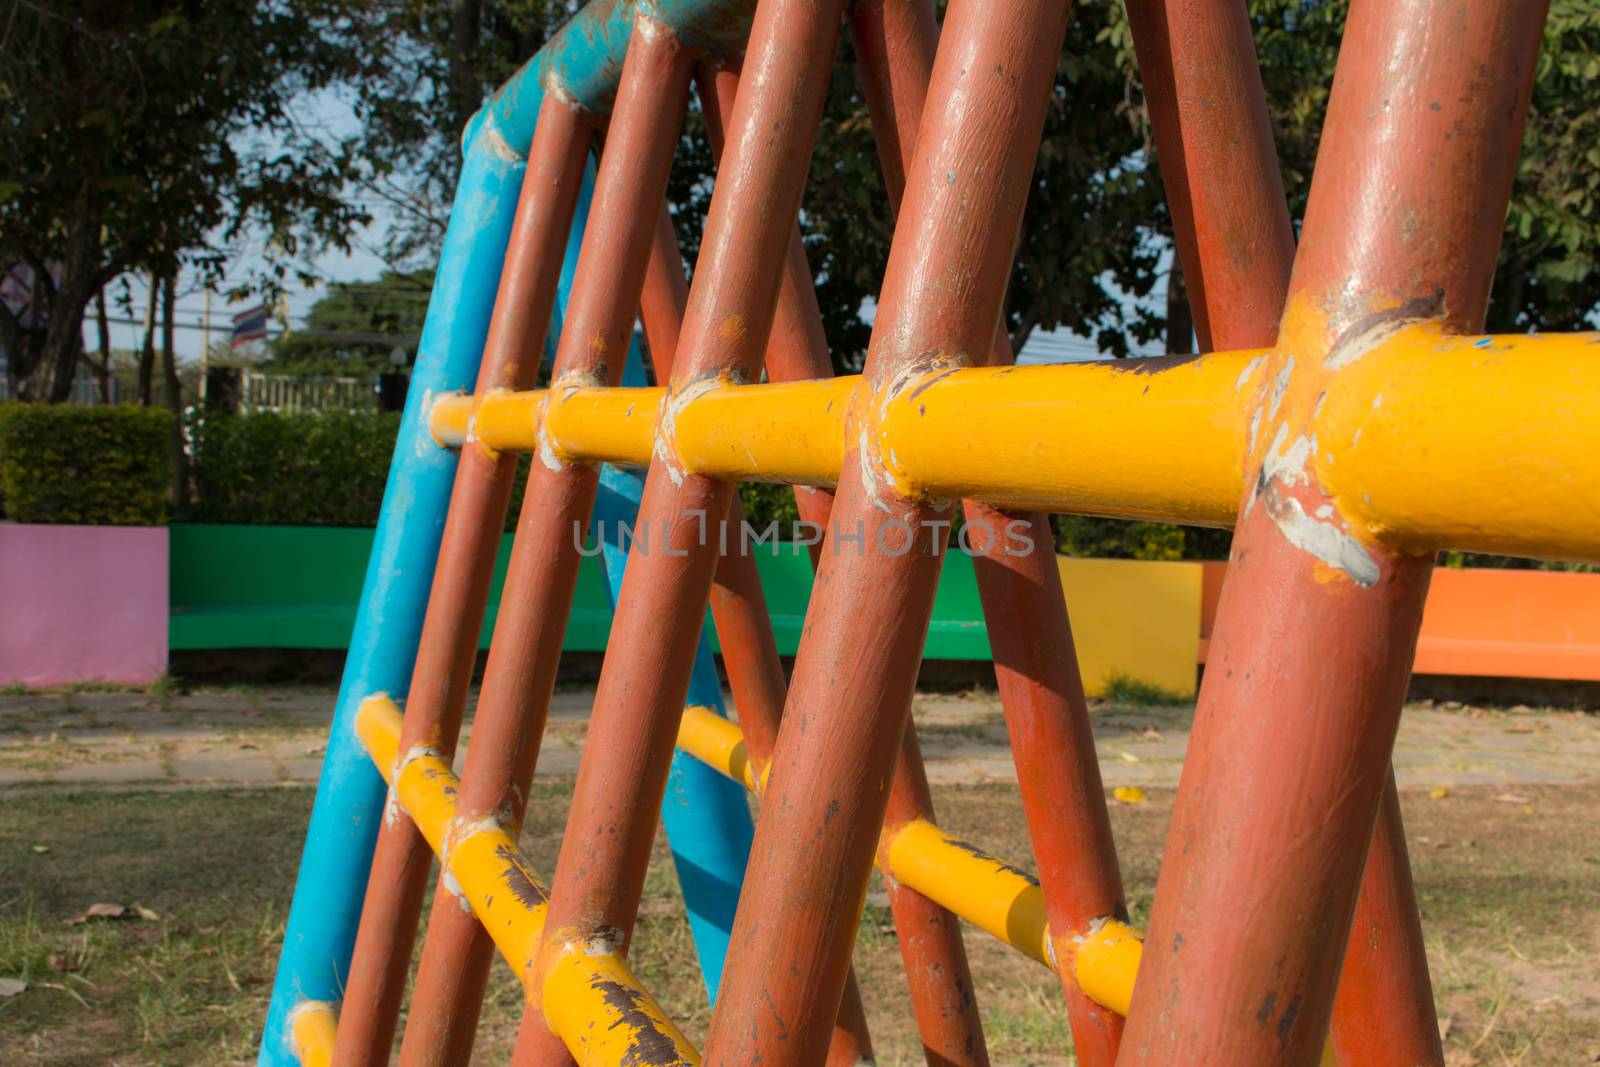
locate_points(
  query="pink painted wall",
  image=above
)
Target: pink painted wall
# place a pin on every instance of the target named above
(82, 604)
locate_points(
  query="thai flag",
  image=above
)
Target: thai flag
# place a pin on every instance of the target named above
(250, 325)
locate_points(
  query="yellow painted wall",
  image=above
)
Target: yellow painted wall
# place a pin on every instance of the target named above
(1134, 618)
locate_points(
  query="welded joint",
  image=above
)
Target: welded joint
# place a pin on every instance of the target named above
(883, 477)
(678, 398)
(562, 388)
(432, 404)
(491, 140)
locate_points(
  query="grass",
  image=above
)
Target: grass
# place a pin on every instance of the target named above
(1509, 900)
(1121, 689)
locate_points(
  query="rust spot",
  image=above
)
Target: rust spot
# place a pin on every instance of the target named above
(1151, 364)
(650, 1047)
(525, 889)
(1000, 864)
(1286, 1024)
(926, 382)
(1416, 309)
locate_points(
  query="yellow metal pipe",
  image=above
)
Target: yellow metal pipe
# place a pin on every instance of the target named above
(716, 742)
(312, 1026)
(994, 896)
(1157, 438)
(1483, 443)
(591, 423)
(1489, 443)
(588, 994)
(785, 432)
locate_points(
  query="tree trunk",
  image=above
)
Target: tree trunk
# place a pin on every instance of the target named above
(1180, 318)
(174, 388)
(147, 350)
(465, 91)
(102, 367)
(52, 361)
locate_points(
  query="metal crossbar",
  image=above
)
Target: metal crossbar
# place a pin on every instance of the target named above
(1348, 421)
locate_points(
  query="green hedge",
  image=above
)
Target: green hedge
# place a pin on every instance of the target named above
(104, 466)
(329, 469)
(325, 469)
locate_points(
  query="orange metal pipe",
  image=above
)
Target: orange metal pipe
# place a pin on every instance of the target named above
(1041, 693)
(738, 604)
(1209, 109)
(600, 872)
(456, 951)
(850, 698)
(543, 569)
(940, 980)
(1288, 759)
(460, 590)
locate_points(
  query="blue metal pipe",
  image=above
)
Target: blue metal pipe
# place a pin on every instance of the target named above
(345, 816)
(583, 61)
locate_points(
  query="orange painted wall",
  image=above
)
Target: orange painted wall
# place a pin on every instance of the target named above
(1489, 623)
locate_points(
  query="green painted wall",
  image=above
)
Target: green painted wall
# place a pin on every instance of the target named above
(296, 587)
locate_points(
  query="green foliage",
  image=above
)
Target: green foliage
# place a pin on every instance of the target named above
(764, 503)
(1548, 274)
(107, 466)
(355, 327)
(1122, 689)
(326, 469)
(1085, 535)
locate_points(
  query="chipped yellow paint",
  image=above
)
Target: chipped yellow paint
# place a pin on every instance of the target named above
(588, 995)
(593, 423)
(992, 895)
(312, 1026)
(602, 1014)
(1105, 962)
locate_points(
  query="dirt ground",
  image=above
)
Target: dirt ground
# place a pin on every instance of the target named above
(1499, 807)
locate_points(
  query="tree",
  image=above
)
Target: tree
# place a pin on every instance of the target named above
(355, 328)
(136, 134)
(428, 65)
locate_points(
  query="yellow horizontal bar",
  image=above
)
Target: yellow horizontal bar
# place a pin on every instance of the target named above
(312, 1026)
(1428, 441)
(588, 995)
(785, 432)
(992, 895)
(715, 741)
(614, 425)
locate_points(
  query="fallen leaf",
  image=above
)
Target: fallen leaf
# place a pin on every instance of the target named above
(1527, 809)
(98, 911)
(1128, 757)
(1513, 798)
(145, 913)
(61, 963)
(10, 987)
(1129, 794)
(1444, 1026)
(1439, 792)
(1152, 735)
(41, 849)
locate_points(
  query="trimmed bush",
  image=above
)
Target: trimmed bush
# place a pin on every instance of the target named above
(103, 466)
(325, 469)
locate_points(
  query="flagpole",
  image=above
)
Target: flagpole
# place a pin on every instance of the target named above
(205, 345)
